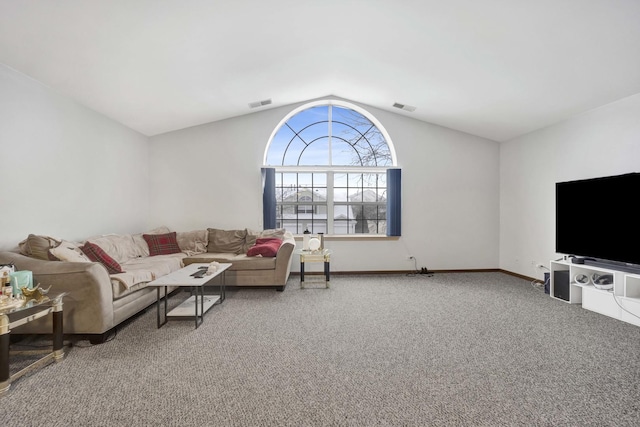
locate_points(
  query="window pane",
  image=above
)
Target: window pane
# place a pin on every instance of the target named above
(355, 180)
(340, 180)
(320, 195)
(318, 226)
(309, 116)
(320, 179)
(288, 211)
(355, 195)
(293, 152)
(289, 179)
(343, 154)
(340, 195)
(315, 154)
(279, 144)
(313, 131)
(351, 118)
(305, 179)
(343, 227)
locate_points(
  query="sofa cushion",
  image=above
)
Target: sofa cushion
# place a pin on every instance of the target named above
(239, 261)
(141, 245)
(68, 251)
(162, 244)
(96, 254)
(36, 246)
(265, 247)
(230, 241)
(120, 247)
(141, 271)
(253, 235)
(193, 242)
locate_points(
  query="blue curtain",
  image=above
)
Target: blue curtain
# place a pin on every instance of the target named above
(394, 202)
(268, 198)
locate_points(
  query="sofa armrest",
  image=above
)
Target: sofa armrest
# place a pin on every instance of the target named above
(88, 306)
(283, 260)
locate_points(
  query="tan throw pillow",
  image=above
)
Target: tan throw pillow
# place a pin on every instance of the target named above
(68, 251)
(37, 246)
(192, 242)
(120, 247)
(226, 241)
(273, 232)
(253, 235)
(268, 233)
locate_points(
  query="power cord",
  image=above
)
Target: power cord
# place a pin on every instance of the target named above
(416, 270)
(537, 284)
(415, 267)
(540, 284)
(615, 298)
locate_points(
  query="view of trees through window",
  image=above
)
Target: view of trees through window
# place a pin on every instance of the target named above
(330, 172)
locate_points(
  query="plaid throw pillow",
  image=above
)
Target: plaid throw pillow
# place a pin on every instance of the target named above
(162, 244)
(96, 254)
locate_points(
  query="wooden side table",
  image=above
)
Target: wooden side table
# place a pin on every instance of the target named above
(315, 256)
(26, 312)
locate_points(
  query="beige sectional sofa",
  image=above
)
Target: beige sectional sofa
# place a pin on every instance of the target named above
(98, 299)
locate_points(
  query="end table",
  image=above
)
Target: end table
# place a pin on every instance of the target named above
(27, 311)
(323, 255)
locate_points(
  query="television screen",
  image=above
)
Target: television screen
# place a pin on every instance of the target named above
(597, 218)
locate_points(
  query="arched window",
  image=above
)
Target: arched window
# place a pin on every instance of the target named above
(330, 162)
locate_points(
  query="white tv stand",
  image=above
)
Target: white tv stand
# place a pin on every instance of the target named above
(621, 302)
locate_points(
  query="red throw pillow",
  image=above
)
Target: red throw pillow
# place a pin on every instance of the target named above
(162, 244)
(96, 254)
(265, 247)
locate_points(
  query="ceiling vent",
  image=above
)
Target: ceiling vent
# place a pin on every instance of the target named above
(404, 107)
(259, 103)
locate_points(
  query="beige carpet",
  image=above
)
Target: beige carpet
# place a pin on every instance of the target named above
(461, 349)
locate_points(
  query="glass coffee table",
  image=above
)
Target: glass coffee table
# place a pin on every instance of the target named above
(19, 312)
(196, 305)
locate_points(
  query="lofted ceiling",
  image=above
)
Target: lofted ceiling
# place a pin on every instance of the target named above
(493, 68)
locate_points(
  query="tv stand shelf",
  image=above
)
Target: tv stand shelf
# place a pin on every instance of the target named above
(622, 302)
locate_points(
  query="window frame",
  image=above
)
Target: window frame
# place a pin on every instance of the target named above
(330, 170)
(330, 202)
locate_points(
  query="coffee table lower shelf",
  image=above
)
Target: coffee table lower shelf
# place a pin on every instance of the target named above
(187, 308)
(198, 303)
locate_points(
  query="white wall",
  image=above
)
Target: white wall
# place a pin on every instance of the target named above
(66, 171)
(209, 176)
(604, 141)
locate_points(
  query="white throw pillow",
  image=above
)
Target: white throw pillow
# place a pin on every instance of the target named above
(68, 251)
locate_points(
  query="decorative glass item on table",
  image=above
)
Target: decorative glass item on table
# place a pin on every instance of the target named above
(314, 244)
(6, 292)
(36, 293)
(305, 239)
(21, 279)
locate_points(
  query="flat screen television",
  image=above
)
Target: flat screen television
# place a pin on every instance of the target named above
(598, 219)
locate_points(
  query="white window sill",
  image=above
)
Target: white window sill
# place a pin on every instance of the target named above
(351, 237)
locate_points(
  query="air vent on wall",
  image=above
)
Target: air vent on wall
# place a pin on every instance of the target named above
(259, 103)
(404, 107)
